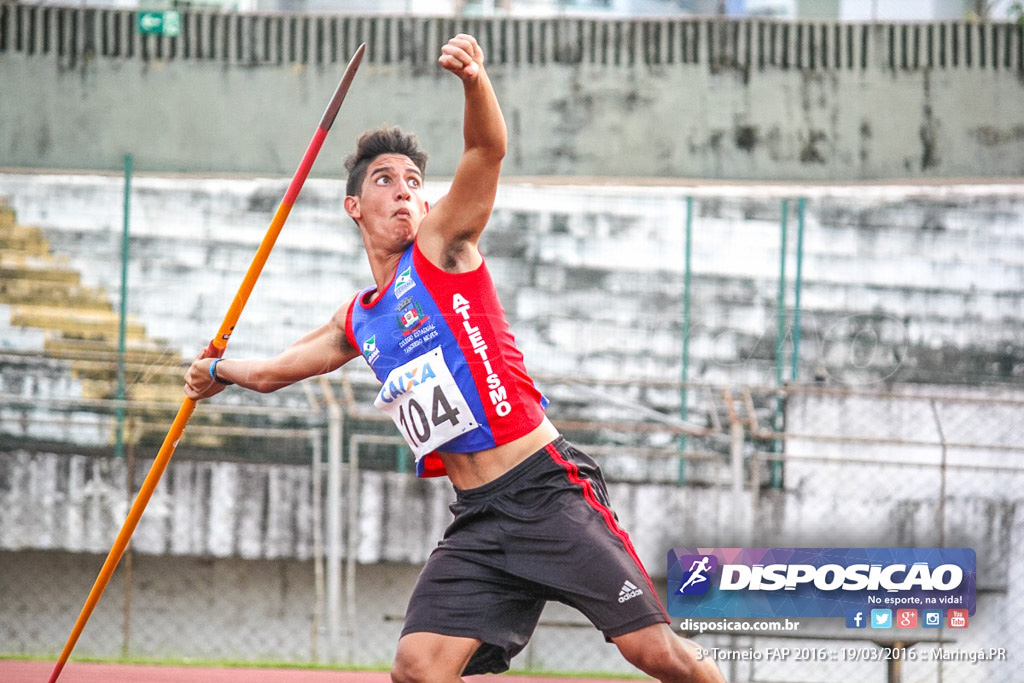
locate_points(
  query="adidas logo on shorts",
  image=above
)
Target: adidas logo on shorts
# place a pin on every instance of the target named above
(629, 591)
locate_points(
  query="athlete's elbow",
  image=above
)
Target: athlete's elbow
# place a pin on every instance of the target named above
(270, 385)
(265, 387)
(499, 149)
(491, 155)
(492, 146)
(264, 381)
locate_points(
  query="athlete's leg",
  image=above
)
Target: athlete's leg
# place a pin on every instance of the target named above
(431, 657)
(660, 653)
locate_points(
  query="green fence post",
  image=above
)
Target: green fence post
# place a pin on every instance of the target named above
(122, 324)
(780, 348)
(683, 410)
(794, 367)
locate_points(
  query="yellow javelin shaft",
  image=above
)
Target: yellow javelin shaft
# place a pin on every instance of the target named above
(121, 543)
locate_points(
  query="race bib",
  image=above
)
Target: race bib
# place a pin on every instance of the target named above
(425, 403)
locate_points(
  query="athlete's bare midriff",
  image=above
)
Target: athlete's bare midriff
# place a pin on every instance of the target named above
(470, 470)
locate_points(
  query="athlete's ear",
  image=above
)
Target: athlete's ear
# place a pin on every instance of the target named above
(352, 207)
(426, 206)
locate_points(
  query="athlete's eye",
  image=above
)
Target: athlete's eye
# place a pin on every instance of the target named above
(414, 182)
(383, 180)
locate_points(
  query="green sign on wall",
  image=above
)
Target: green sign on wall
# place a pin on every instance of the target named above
(160, 23)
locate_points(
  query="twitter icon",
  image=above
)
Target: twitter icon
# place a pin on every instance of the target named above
(881, 618)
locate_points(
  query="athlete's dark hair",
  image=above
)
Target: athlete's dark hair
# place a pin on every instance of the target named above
(372, 144)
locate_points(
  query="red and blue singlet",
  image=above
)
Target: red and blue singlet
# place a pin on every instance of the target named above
(452, 378)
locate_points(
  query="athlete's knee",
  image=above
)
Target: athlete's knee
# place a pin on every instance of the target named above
(649, 650)
(416, 666)
(663, 655)
(411, 663)
(408, 670)
(704, 667)
(665, 662)
(404, 669)
(428, 657)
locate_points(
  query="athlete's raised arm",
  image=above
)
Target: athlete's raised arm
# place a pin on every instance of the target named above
(449, 233)
(321, 351)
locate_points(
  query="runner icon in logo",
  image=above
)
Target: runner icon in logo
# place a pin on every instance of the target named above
(698, 571)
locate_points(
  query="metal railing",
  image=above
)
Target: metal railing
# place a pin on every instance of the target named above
(79, 34)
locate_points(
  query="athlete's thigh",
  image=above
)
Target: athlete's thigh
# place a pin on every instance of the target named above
(458, 594)
(560, 533)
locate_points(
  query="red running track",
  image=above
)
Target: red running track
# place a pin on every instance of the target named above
(86, 672)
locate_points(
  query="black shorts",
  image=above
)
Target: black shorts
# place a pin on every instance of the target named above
(542, 531)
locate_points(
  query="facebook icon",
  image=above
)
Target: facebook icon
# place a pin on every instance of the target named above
(856, 619)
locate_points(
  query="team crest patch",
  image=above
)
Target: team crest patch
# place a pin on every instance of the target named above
(370, 351)
(411, 318)
(404, 282)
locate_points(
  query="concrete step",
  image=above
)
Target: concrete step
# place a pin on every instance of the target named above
(72, 322)
(50, 293)
(40, 272)
(153, 373)
(78, 323)
(139, 350)
(142, 391)
(21, 238)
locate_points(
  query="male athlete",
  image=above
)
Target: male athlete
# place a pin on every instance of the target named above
(532, 521)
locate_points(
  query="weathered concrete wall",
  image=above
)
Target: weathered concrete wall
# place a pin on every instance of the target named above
(207, 509)
(691, 98)
(253, 511)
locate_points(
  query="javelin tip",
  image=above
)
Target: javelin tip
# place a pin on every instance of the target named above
(339, 95)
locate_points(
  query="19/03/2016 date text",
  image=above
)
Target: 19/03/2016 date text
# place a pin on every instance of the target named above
(852, 654)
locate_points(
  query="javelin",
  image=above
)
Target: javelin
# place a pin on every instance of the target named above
(214, 350)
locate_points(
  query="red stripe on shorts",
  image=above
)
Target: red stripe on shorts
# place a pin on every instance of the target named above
(609, 517)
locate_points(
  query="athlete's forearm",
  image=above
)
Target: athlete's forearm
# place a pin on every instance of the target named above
(207, 377)
(484, 130)
(318, 353)
(321, 351)
(256, 375)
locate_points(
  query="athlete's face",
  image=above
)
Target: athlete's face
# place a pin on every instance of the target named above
(390, 205)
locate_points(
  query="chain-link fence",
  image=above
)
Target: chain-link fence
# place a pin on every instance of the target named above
(312, 562)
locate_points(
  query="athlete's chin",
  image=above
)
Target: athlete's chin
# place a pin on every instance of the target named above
(405, 226)
(402, 236)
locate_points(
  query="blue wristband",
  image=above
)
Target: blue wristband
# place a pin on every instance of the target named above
(213, 373)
